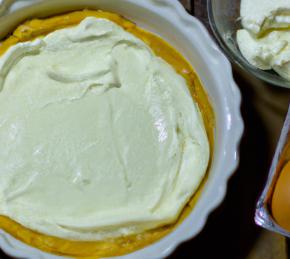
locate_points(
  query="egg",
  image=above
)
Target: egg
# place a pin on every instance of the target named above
(281, 199)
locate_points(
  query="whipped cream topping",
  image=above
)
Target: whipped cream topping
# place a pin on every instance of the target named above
(99, 137)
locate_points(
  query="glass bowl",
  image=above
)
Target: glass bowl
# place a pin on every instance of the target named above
(224, 18)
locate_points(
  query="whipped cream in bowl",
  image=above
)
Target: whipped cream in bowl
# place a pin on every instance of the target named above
(265, 39)
(254, 35)
(260, 16)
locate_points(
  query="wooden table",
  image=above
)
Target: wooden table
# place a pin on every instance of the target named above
(230, 232)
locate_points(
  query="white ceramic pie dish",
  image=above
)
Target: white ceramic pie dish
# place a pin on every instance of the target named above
(168, 19)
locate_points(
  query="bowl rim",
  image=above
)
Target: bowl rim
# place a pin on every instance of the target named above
(239, 59)
(216, 61)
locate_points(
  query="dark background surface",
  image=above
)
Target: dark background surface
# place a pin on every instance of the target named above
(230, 232)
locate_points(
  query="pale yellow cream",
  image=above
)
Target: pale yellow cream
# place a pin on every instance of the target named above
(100, 137)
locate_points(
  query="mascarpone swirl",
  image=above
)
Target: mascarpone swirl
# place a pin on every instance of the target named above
(99, 137)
